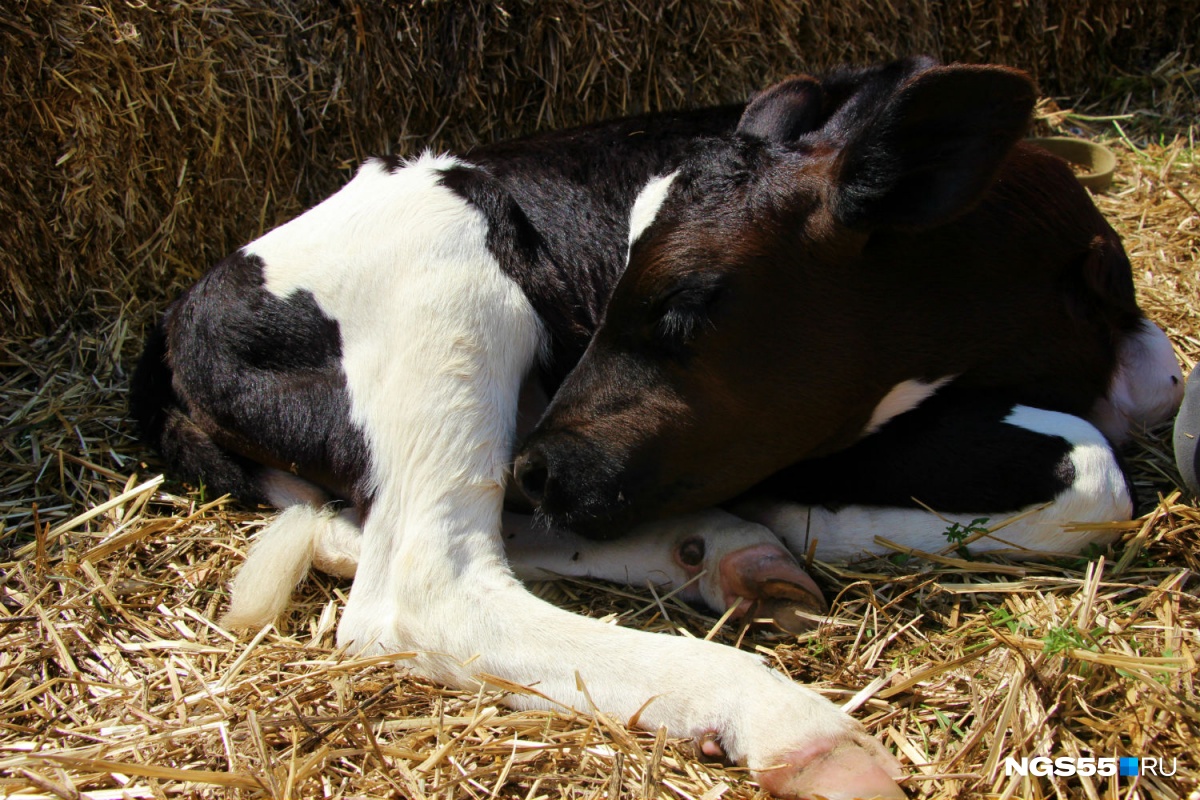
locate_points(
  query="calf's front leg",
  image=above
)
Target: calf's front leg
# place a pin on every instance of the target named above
(452, 599)
(712, 557)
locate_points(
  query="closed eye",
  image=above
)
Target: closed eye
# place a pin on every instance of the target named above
(686, 311)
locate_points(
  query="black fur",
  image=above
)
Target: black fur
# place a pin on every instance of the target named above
(953, 453)
(234, 379)
(557, 207)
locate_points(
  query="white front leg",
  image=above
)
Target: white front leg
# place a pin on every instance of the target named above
(451, 598)
(720, 560)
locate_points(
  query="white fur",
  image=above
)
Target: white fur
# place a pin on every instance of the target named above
(644, 555)
(1146, 388)
(1098, 494)
(435, 343)
(904, 396)
(337, 543)
(647, 204)
(278, 560)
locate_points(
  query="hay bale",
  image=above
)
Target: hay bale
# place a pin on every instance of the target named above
(140, 143)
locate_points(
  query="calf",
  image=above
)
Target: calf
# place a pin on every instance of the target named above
(370, 354)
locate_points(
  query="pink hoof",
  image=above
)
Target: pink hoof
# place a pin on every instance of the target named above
(771, 585)
(847, 771)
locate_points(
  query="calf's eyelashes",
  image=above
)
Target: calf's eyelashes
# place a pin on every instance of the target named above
(685, 310)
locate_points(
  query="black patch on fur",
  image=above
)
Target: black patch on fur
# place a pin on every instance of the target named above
(557, 207)
(953, 453)
(150, 394)
(163, 424)
(237, 378)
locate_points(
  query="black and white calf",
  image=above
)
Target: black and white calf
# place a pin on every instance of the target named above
(362, 367)
(372, 352)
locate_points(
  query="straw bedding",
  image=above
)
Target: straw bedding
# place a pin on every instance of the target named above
(142, 142)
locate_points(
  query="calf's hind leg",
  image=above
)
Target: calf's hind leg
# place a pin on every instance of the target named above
(718, 558)
(1038, 477)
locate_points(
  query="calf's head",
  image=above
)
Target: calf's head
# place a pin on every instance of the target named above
(732, 345)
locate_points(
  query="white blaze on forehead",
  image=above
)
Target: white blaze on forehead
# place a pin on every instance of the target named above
(904, 396)
(648, 202)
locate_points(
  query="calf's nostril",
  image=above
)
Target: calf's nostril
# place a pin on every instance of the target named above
(532, 474)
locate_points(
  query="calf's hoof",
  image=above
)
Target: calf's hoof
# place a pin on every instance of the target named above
(1187, 435)
(767, 583)
(844, 771)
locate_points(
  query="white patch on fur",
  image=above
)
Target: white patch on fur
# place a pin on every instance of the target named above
(337, 545)
(1098, 494)
(436, 340)
(647, 204)
(904, 396)
(1146, 388)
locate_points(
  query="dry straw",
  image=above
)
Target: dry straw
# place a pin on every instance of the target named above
(142, 141)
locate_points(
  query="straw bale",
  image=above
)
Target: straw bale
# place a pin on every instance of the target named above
(141, 142)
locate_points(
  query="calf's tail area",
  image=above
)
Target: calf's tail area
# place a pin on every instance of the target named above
(296, 539)
(151, 395)
(285, 551)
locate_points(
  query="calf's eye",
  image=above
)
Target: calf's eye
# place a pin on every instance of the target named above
(686, 311)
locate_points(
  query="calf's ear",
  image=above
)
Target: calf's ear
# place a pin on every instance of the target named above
(785, 111)
(933, 147)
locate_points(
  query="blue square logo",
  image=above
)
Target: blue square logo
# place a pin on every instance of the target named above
(1129, 767)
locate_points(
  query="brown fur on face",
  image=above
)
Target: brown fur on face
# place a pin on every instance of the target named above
(786, 287)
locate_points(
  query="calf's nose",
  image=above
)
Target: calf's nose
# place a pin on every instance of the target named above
(571, 483)
(532, 473)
